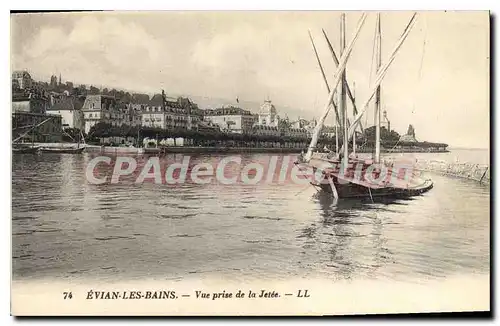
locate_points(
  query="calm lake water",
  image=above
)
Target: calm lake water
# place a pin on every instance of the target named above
(63, 227)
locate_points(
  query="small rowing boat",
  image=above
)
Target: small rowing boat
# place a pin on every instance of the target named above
(25, 149)
(62, 150)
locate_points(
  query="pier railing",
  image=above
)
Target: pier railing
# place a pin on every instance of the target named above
(477, 172)
(466, 170)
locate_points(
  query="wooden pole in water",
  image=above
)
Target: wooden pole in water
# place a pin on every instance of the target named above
(480, 181)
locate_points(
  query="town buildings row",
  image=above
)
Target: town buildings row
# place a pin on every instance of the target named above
(60, 111)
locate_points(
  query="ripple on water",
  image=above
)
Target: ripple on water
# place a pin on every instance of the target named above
(63, 226)
(254, 217)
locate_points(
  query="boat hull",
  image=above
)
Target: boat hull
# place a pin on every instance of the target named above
(397, 183)
(63, 150)
(352, 190)
(25, 150)
(150, 150)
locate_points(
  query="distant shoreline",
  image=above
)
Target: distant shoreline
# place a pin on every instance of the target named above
(220, 150)
(468, 148)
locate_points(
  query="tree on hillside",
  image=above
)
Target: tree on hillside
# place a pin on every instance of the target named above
(140, 98)
(385, 135)
(113, 92)
(127, 98)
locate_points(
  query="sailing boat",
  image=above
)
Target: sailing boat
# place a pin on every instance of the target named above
(75, 149)
(346, 176)
(63, 150)
(24, 149)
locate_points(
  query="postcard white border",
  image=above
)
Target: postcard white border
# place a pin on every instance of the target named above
(157, 5)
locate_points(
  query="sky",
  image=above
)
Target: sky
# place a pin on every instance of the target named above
(439, 81)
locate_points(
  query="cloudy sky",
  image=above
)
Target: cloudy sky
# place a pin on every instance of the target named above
(439, 82)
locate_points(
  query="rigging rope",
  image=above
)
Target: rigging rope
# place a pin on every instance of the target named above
(395, 144)
(370, 80)
(423, 50)
(381, 73)
(419, 81)
(373, 57)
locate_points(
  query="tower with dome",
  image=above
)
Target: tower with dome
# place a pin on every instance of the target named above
(268, 115)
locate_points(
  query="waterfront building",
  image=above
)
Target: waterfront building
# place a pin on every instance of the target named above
(297, 133)
(106, 109)
(300, 123)
(263, 130)
(231, 119)
(328, 131)
(193, 113)
(134, 114)
(176, 115)
(22, 79)
(268, 115)
(48, 132)
(29, 107)
(153, 114)
(97, 109)
(29, 101)
(21, 103)
(287, 129)
(153, 119)
(310, 127)
(70, 110)
(119, 115)
(208, 127)
(169, 113)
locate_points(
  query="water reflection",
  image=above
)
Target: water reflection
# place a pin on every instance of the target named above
(350, 235)
(64, 226)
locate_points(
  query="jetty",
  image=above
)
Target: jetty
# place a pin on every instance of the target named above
(465, 170)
